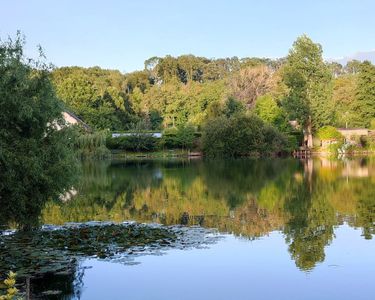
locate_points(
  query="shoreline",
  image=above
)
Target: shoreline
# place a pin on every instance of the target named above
(179, 153)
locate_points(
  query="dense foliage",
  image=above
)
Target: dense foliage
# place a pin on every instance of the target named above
(309, 81)
(96, 95)
(172, 92)
(241, 135)
(36, 158)
(328, 133)
(175, 95)
(91, 145)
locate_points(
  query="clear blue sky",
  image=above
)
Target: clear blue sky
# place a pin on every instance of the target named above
(122, 34)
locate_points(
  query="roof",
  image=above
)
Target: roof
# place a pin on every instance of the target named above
(87, 127)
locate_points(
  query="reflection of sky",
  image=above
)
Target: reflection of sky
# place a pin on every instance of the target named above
(157, 173)
(240, 269)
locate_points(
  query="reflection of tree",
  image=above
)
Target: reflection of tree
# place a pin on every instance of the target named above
(311, 221)
(41, 267)
(247, 197)
(180, 192)
(66, 285)
(233, 179)
(365, 215)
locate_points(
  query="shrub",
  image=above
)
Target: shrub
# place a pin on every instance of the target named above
(92, 145)
(185, 136)
(135, 142)
(328, 133)
(275, 141)
(11, 290)
(213, 141)
(170, 138)
(181, 137)
(241, 135)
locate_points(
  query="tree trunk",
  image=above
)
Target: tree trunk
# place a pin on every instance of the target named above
(308, 138)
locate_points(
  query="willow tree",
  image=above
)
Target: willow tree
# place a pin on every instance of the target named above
(309, 81)
(36, 158)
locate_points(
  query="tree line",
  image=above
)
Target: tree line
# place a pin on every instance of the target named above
(173, 91)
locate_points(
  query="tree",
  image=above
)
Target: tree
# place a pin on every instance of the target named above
(167, 68)
(36, 159)
(190, 68)
(336, 69)
(309, 82)
(352, 67)
(344, 100)
(151, 67)
(270, 112)
(250, 83)
(232, 107)
(365, 105)
(139, 79)
(155, 120)
(98, 96)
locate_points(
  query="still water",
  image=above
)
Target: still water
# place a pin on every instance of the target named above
(285, 229)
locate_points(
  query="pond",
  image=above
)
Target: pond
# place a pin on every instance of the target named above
(225, 229)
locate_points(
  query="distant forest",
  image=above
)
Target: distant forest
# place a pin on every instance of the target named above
(173, 91)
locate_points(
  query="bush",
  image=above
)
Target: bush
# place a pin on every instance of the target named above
(10, 284)
(136, 142)
(241, 135)
(275, 141)
(213, 141)
(180, 137)
(92, 145)
(170, 138)
(328, 133)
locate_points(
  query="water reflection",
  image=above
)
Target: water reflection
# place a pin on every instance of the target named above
(298, 205)
(249, 198)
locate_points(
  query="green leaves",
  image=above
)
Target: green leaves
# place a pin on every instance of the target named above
(328, 132)
(308, 79)
(36, 159)
(57, 250)
(365, 105)
(96, 95)
(241, 135)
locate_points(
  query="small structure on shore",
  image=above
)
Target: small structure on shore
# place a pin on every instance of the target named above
(72, 119)
(156, 135)
(327, 136)
(352, 135)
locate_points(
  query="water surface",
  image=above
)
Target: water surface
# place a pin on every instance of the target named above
(288, 229)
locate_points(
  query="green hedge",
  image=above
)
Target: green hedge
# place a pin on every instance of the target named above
(137, 142)
(183, 137)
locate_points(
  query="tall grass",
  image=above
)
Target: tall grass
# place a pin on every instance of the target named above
(92, 145)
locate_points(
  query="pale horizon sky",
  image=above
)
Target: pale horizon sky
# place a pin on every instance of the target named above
(123, 34)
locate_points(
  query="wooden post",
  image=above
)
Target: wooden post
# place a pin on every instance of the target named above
(28, 288)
